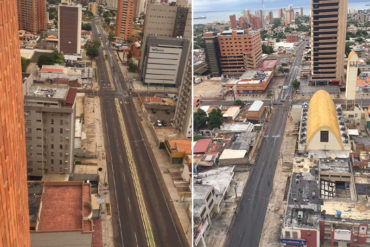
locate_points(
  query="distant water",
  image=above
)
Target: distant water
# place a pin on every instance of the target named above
(223, 15)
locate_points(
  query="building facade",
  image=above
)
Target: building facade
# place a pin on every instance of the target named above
(14, 226)
(50, 118)
(125, 19)
(69, 29)
(212, 53)
(328, 37)
(93, 8)
(163, 60)
(352, 70)
(32, 15)
(233, 22)
(240, 51)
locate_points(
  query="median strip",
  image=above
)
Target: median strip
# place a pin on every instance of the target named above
(109, 72)
(135, 178)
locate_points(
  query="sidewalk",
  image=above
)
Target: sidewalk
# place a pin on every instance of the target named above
(182, 205)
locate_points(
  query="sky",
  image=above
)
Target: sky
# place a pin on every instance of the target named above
(228, 5)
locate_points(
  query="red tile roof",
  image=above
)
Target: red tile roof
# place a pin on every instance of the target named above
(181, 145)
(71, 95)
(202, 145)
(48, 70)
(61, 207)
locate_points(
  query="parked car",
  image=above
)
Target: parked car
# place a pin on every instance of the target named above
(159, 123)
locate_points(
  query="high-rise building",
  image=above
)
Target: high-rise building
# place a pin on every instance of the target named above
(183, 113)
(271, 17)
(69, 29)
(301, 11)
(50, 119)
(93, 8)
(139, 7)
(328, 37)
(212, 53)
(125, 19)
(164, 60)
(246, 13)
(240, 50)
(111, 4)
(352, 69)
(32, 15)
(255, 22)
(232, 21)
(280, 13)
(260, 14)
(14, 224)
(164, 20)
(242, 23)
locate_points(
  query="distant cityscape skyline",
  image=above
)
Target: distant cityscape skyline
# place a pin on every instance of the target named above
(218, 12)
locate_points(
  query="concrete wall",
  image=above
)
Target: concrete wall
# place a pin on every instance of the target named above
(61, 239)
(315, 143)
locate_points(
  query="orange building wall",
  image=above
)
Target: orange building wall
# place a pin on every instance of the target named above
(14, 223)
(124, 26)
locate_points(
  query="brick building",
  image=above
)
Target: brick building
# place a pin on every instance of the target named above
(233, 22)
(240, 50)
(292, 38)
(125, 18)
(32, 15)
(14, 222)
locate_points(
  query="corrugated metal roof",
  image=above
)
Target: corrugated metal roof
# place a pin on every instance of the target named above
(256, 106)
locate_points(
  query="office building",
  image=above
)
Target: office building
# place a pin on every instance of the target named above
(352, 70)
(212, 53)
(163, 61)
(183, 113)
(50, 116)
(111, 4)
(164, 20)
(69, 29)
(240, 50)
(14, 224)
(93, 8)
(125, 19)
(328, 37)
(233, 22)
(32, 15)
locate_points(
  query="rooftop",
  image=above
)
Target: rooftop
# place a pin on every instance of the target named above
(256, 106)
(34, 200)
(48, 92)
(65, 207)
(200, 191)
(334, 165)
(180, 145)
(202, 145)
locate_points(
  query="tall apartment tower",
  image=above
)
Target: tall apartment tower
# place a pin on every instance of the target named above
(240, 50)
(14, 224)
(212, 53)
(352, 69)
(328, 37)
(69, 29)
(32, 15)
(232, 21)
(111, 4)
(125, 18)
(50, 119)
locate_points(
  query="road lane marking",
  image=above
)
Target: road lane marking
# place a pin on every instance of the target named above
(109, 72)
(135, 178)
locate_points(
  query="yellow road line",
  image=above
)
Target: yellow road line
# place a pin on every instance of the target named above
(135, 178)
(109, 72)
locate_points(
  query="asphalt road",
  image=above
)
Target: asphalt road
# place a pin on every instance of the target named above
(247, 226)
(129, 230)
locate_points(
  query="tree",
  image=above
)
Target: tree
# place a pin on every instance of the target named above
(25, 62)
(348, 47)
(214, 119)
(269, 93)
(360, 39)
(86, 26)
(200, 119)
(239, 102)
(267, 49)
(296, 84)
(50, 59)
(111, 36)
(92, 48)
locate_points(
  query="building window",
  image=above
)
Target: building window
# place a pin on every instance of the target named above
(60, 162)
(52, 121)
(324, 136)
(52, 146)
(61, 131)
(51, 130)
(287, 234)
(52, 161)
(61, 146)
(61, 122)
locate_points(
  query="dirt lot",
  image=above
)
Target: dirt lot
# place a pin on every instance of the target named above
(208, 89)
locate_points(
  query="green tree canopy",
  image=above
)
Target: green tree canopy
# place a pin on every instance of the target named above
(267, 49)
(50, 59)
(25, 62)
(111, 36)
(86, 26)
(238, 102)
(200, 119)
(92, 48)
(296, 84)
(214, 119)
